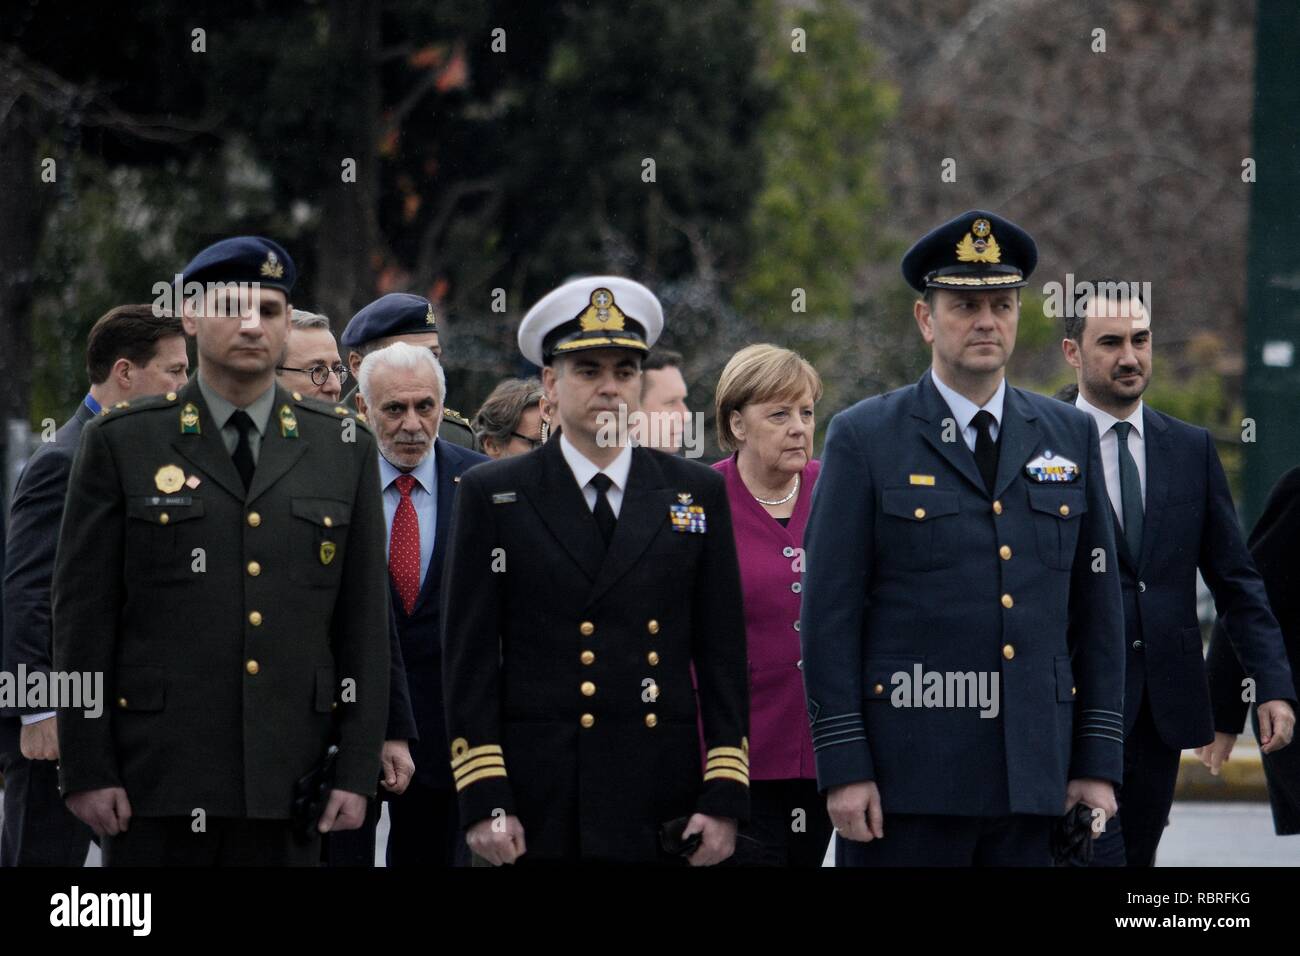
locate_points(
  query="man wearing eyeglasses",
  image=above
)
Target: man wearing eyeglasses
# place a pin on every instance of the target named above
(311, 363)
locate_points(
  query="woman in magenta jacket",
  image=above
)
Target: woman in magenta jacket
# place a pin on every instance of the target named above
(764, 411)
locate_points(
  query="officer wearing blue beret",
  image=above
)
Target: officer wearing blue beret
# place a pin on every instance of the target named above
(402, 317)
(961, 623)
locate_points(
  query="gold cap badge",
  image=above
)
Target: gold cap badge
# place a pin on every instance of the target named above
(978, 245)
(428, 318)
(272, 268)
(602, 314)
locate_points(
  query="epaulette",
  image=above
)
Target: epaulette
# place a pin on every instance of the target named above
(454, 416)
(122, 409)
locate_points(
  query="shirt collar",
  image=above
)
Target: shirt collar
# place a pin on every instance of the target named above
(963, 409)
(259, 409)
(425, 473)
(1105, 420)
(583, 469)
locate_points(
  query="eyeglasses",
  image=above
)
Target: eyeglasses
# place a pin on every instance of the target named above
(319, 373)
(532, 442)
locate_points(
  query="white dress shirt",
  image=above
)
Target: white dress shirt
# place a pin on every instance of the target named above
(583, 471)
(1137, 447)
(963, 409)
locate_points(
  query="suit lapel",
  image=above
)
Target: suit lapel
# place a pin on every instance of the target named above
(205, 450)
(559, 504)
(1159, 464)
(643, 513)
(1018, 439)
(277, 454)
(931, 408)
(446, 472)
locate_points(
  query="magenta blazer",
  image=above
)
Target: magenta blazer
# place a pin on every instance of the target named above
(780, 741)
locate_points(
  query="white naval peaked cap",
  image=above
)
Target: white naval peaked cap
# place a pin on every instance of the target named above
(592, 312)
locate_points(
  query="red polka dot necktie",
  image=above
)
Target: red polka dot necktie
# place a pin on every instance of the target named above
(404, 546)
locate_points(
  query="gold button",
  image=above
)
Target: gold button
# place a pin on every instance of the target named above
(1006, 601)
(254, 519)
(587, 720)
(879, 688)
(329, 522)
(652, 626)
(588, 657)
(1065, 510)
(651, 720)
(1074, 690)
(252, 667)
(334, 705)
(1008, 651)
(254, 569)
(339, 409)
(1005, 553)
(588, 688)
(997, 507)
(164, 518)
(255, 618)
(919, 513)
(297, 396)
(586, 629)
(121, 702)
(653, 658)
(171, 396)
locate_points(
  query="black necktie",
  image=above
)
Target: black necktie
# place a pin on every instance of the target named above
(605, 519)
(243, 453)
(1130, 491)
(986, 449)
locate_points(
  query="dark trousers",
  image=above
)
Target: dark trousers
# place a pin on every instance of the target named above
(1145, 796)
(38, 829)
(353, 847)
(788, 825)
(913, 839)
(1282, 775)
(225, 841)
(424, 828)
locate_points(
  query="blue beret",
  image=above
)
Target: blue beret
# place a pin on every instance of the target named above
(244, 259)
(398, 313)
(977, 250)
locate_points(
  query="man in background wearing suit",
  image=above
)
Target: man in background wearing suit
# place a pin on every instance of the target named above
(401, 391)
(958, 534)
(130, 353)
(1173, 513)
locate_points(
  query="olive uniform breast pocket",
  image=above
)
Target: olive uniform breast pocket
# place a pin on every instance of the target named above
(918, 527)
(317, 539)
(162, 532)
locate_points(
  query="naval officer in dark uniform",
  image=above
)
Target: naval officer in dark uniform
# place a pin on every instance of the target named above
(401, 317)
(585, 581)
(219, 524)
(961, 622)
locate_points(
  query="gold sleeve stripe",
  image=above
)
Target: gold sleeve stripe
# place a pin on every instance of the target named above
(729, 752)
(477, 775)
(729, 763)
(478, 763)
(461, 752)
(728, 775)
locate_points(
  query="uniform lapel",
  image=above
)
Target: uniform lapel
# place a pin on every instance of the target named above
(558, 502)
(930, 407)
(1159, 463)
(205, 450)
(1018, 439)
(278, 454)
(643, 512)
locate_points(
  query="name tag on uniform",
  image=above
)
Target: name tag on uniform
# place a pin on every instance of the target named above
(1049, 467)
(503, 498)
(170, 501)
(687, 519)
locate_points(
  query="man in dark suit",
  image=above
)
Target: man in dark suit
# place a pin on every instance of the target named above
(961, 620)
(130, 353)
(221, 522)
(586, 580)
(401, 317)
(1173, 513)
(402, 390)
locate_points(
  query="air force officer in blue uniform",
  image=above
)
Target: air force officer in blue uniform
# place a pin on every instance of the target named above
(962, 627)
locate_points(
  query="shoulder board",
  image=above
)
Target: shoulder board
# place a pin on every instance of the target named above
(451, 415)
(338, 410)
(149, 403)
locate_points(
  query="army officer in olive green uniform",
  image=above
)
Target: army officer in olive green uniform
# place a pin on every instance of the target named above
(207, 538)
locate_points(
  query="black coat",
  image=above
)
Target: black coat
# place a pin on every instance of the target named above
(553, 646)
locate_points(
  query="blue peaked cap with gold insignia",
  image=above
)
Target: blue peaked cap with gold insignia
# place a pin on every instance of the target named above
(978, 250)
(244, 259)
(398, 313)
